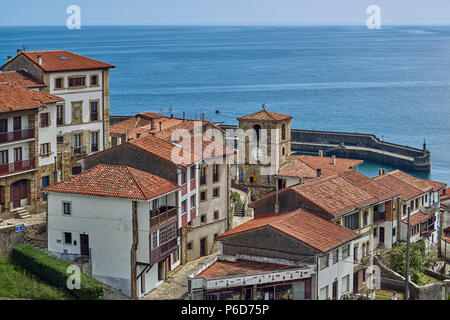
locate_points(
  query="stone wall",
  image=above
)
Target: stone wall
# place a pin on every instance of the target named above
(9, 237)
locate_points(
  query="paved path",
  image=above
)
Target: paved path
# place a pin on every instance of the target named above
(175, 287)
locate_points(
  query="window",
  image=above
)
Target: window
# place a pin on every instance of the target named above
(67, 208)
(67, 238)
(215, 173)
(189, 245)
(363, 250)
(59, 139)
(203, 218)
(355, 253)
(77, 112)
(59, 83)
(203, 196)
(192, 172)
(94, 141)
(3, 125)
(167, 233)
(183, 177)
(417, 203)
(77, 148)
(202, 175)
(216, 215)
(18, 154)
(154, 240)
(426, 198)
(76, 170)
(394, 232)
(94, 110)
(351, 221)
(155, 204)
(364, 276)
(283, 132)
(183, 206)
(335, 256)
(345, 251)
(94, 80)
(216, 192)
(45, 120)
(45, 149)
(59, 114)
(4, 157)
(365, 218)
(345, 284)
(17, 123)
(324, 261)
(77, 82)
(375, 232)
(193, 201)
(113, 141)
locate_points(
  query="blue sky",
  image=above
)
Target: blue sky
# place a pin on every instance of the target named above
(225, 12)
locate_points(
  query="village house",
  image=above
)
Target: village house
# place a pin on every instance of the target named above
(27, 144)
(300, 168)
(123, 219)
(420, 198)
(204, 182)
(347, 198)
(279, 256)
(82, 117)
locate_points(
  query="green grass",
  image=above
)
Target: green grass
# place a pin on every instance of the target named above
(426, 279)
(18, 283)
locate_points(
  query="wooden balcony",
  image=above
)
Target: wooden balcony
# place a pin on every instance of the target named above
(17, 135)
(16, 167)
(163, 251)
(162, 216)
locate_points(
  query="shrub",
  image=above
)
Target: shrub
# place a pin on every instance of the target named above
(54, 271)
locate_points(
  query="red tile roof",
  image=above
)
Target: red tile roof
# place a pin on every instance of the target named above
(115, 181)
(406, 190)
(306, 166)
(301, 225)
(13, 98)
(265, 115)
(125, 126)
(61, 60)
(444, 194)
(224, 269)
(417, 218)
(422, 184)
(21, 79)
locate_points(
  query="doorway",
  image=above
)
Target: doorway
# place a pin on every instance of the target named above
(335, 287)
(18, 192)
(84, 245)
(355, 282)
(203, 251)
(382, 234)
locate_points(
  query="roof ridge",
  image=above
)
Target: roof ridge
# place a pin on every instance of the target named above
(135, 181)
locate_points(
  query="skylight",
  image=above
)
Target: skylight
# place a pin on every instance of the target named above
(62, 58)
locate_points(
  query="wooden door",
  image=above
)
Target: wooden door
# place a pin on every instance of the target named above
(17, 123)
(335, 287)
(84, 244)
(18, 191)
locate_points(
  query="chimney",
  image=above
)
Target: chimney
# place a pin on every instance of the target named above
(319, 172)
(9, 58)
(334, 159)
(152, 124)
(320, 153)
(184, 115)
(19, 51)
(171, 115)
(381, 171)
(39, 59)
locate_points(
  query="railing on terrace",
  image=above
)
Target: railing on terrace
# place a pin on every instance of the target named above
(16, 135)
(430, 209)
(163, 251)
(79, 151)
(18, 166)
(162, 215)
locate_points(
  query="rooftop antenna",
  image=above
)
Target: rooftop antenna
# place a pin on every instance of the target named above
(25, 47)
(263, 106)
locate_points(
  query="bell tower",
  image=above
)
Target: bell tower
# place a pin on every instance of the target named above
(265, 147)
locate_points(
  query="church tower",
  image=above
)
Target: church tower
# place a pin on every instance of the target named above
(261, 159)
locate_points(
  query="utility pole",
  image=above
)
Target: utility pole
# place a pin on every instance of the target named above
(406, 295)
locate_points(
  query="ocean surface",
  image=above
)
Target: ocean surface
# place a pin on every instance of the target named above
(393, 82)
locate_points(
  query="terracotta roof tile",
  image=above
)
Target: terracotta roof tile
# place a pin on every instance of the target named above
(223, 269)
(125, 126)
(302, 225)
(265, 115)
(306, 166)
(422, 184)
(14, 98)
(406, 190)
(115, 181)
(21, 79)
(61, 60)
(444, 194)
(417, 218)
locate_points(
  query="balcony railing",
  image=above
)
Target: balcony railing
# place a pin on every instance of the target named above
(18, 166)
(430, 209)
(379, 216)
(16, 135)
(161, 252)
(79, 151)
(162, 215)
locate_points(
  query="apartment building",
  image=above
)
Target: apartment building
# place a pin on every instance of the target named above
(293, 255)
(421, 199)
(204, 182)
(350, 199)
(123, 219)
(82, 118)
(27, 145)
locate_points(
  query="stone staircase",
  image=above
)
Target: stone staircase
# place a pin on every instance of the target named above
(22, 212)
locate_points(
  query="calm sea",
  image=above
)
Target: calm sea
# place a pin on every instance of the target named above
(393, 82)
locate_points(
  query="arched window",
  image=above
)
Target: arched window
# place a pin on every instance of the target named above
(283, 131)
(257, 128)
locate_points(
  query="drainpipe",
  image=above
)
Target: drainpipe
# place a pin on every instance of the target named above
(134, 249)
(408, 232)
